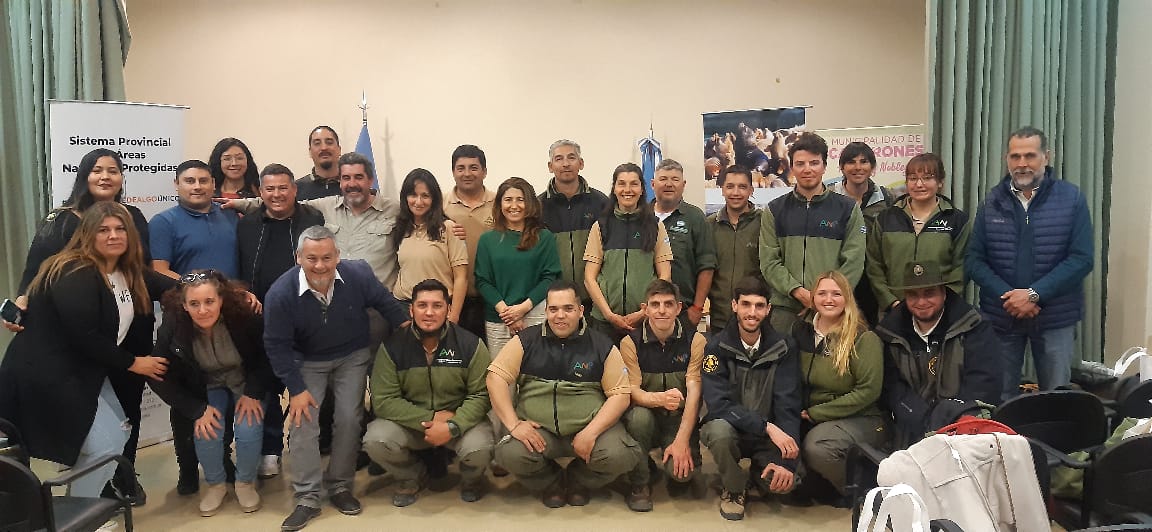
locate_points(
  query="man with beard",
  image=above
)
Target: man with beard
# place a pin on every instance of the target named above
(428, 391)
(324, 148)
(1030, 249)
(939, 356)
(751, 377)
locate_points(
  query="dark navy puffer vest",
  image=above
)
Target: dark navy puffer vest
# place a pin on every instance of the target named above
(1025, 246)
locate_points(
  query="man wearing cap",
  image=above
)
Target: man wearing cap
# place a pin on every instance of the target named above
(940, 356)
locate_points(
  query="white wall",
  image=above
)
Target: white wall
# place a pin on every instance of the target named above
(513, 76)
(1129, 321)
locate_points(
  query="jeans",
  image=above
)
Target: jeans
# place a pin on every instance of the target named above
(210, 452)
(344, 378)
(497, 334)
(110, 430)
(1052, 353)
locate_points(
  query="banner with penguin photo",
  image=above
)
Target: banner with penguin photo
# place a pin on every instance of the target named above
(758, 140)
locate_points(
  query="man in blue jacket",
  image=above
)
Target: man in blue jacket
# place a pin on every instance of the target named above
(1030, 250)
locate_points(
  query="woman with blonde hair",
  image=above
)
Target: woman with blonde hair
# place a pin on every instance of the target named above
(842, 367)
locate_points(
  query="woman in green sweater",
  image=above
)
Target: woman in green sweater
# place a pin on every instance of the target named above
(515, 263)
(842, 365)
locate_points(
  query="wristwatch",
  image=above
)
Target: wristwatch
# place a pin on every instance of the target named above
(1033, 297)
(453, 429)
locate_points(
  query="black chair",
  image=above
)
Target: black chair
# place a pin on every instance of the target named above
(14, 446)
(1059, 422)
(26, 504)
(1134, 398)
(1116, 485)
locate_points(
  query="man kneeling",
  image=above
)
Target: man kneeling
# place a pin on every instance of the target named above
(663, 361)
(573, 388)
(428, 391)
(751, 388)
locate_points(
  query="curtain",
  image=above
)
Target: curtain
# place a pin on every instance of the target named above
(997, 65)
(68, 50)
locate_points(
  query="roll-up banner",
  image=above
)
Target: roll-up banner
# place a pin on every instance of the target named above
(893, 146)
(150, 141)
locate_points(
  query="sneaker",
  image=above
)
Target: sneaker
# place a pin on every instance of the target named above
(640, 500)
(299, 518)
(472, 491)
(346, 503)
(212, 498)
(140, 497)
(406, 494)
(732, 505)
(269, 466)
(247, 496)
(554, 494)
(577, 495)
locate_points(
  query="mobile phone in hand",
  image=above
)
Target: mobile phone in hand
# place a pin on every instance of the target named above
(11, 312)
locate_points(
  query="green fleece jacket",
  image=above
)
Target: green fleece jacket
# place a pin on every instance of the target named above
(737, 256)
(408, 389)
(801, 239)
(893, 243)
(833, 396)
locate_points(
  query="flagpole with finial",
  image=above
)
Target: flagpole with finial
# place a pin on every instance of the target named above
(364, 106)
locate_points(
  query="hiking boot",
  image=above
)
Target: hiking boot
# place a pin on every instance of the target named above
(554, 494)
(406, 493)
(472, 491)
(640, 500)
(577, 495)
(732, 505)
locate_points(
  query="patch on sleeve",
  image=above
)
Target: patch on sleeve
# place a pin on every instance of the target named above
(864, 229)
(711, 364)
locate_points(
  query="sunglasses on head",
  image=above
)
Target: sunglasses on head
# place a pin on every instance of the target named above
(197, 277)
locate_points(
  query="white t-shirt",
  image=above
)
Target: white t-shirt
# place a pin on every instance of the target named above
(123, 298)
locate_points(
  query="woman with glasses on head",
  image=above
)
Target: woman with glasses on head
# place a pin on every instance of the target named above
(89, 313)
(627, 247)
(842, 367)
(214, 345)
(427, 247)
(233, 170)
(515, 263)
(923, 225)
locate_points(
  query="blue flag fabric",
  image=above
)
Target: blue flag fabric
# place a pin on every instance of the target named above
(364, 147)
(651, 156)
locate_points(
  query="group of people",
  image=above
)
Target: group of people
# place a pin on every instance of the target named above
(511, 328)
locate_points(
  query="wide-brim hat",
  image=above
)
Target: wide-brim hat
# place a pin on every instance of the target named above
(922, 274)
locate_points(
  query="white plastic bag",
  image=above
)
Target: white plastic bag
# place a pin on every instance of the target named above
(902, 521)
(1142, 427)
(1132, 355)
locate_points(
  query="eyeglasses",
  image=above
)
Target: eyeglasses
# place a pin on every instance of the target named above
(921, 179)
(197, 277)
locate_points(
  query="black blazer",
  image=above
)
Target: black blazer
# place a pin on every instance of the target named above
(57, 230)
(183, 386)
(52, 373)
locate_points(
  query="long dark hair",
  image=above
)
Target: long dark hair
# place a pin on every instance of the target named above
(81, 197)
(251, 186)
(433, 221)
(80, 252)
(234, 308)
(649, 228)
(532, 223)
